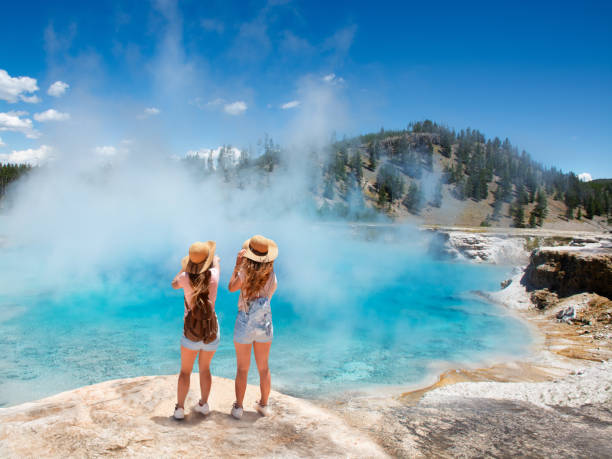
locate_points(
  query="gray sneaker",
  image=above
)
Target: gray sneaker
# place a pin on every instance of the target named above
(204, 409)
(264, 410)
(236, 411)
(179, 413)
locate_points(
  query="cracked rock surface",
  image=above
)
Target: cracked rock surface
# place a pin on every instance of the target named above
(133, 417)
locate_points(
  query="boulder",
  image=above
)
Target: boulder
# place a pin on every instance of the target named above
(505, 283)
(544, 298)
(566, 315)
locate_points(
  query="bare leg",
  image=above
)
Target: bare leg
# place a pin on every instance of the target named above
(243, 358)
(262, 352)
(187, 358)
(205, 378)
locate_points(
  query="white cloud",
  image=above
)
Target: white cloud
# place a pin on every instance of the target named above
(31, 99)
(13, 121)
(58, 89)
(13, 89)
(333, 79)
(150, 111)
(231, 108)
(106, 150)
(235, 108)
(215, 103)
(51, 115)
(292, 104)
(585, 177)
(2, 144)
(198, 102)
(31, 156)
(109, 151)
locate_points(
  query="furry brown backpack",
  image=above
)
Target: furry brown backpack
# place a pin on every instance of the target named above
(201, 322)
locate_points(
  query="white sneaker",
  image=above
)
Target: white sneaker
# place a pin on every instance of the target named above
(204, 409)
(179, 413)
(236, 411)
(264, 410)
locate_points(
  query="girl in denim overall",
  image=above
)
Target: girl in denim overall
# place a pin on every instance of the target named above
(254, 276)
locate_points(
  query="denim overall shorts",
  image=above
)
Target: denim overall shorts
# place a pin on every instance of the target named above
(256, 324)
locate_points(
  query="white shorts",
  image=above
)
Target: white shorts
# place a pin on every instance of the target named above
(201, 346)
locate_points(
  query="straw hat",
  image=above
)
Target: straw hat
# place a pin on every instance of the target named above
(261, 249)
(200, 257)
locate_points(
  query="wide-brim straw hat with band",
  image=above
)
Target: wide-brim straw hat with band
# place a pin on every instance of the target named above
(200, 257)
(261, 249)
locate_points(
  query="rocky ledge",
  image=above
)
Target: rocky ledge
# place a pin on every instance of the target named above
(565, 418)
(132, 417)
(478, 247)
(569, 270)
(506, 245)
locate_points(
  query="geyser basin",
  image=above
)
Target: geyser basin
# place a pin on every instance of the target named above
(349, 315)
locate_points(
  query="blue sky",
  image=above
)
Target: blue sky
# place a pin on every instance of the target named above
(187, 75)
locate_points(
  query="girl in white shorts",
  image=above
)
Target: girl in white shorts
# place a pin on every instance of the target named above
(199, 279)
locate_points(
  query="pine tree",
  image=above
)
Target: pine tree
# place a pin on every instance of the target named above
(589, 208)
(429, 156)
(10, 173)
(383, 197)
(413, 198)
(328, 192)
(483, 184)
(355, 165)
(533, 219)
(505, 186)
(541, 206)
(523, 195)
(461, 191)
(437, 198)
(389, 182)
(519, 216)
(371, 149)
(497, 207)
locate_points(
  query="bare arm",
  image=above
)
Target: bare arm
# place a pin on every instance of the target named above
(175, 284)
(274, 285)
(235, 282)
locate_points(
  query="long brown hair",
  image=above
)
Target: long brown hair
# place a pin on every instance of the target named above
(200, 282)
(257, 274)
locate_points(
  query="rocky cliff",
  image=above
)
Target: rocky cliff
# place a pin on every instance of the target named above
(568, 270)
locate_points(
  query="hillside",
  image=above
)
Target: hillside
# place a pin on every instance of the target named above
(431, 174)
(427, 173)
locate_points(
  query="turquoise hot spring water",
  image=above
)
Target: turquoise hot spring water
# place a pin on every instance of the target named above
(363, 314)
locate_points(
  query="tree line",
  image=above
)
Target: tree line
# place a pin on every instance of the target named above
(9, 173)
(397, 161)
(477, 168)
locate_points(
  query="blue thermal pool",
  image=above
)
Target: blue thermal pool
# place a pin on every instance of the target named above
(341, 330)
